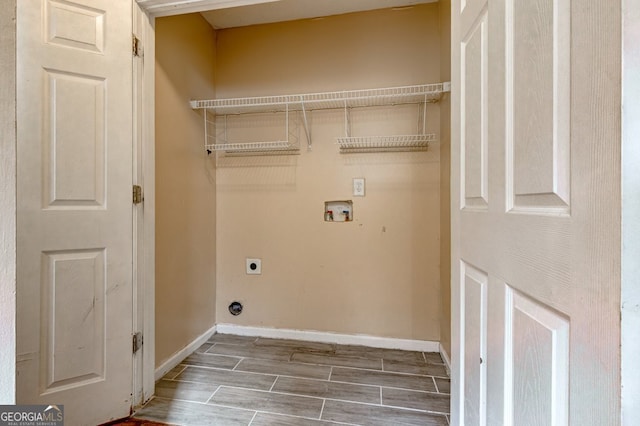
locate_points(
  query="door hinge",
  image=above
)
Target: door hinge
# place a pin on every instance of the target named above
(137, 341)
(136, 46)
(137, 194)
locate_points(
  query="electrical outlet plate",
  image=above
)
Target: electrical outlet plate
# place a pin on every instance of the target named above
(358, 187)
(254, 266)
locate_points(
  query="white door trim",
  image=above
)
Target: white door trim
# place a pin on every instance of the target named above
(144, 220)
(456, 343)
(159, 8)
(8, 204)
(630, 300)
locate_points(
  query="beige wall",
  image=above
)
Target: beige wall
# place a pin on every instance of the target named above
(379, 274)
(185, 185)
(445, 180)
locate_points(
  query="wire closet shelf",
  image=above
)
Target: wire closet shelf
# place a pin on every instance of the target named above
(304, 103)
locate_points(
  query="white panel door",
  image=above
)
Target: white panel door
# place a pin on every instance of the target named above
(74, 234)
(535, 212)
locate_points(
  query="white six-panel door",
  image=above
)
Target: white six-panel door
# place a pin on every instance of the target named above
(74, 231)
(535, 204)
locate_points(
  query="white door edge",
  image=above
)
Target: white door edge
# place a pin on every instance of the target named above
(630, 301)
(8, 205)
(144, 174)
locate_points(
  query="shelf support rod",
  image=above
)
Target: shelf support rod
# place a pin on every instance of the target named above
(347, 121)
(226, 138)
(206, 130)
(286, 125)
(306, 124)
(424, 116)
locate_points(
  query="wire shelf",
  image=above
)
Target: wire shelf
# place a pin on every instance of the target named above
(375, 97)
(251, 146)
(325, 100)
(386, 143)
(290, 105)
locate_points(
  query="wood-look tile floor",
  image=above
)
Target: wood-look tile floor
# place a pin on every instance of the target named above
(237, 380)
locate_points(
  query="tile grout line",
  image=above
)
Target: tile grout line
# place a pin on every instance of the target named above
(273, 384)
(415, 410)
(435, 384)
(380, 395)
(328, 365)
(213, 394)
(179, 372)
(237, 364)
(408, 409)
(193, 401)
(391, 372)
(330, 374)
(332, 381)
(253, 418)
(281, 414)
(350, 401)
(418, 410)
(324, 401)
(440, 413)
(386, 386)
(322, 380)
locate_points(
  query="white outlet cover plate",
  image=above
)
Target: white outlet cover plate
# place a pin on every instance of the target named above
(358, 187)
(254, 266)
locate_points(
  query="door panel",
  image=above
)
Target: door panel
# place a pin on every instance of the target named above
(73, 322)
(537, 105)
(75, 148)
(547, 242)
(473, 122)
(475, 343)
(74, 233)
(74, 25)
(537, 345)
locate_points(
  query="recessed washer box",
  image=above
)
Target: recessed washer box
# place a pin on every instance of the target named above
(254, 266)
(338, 211)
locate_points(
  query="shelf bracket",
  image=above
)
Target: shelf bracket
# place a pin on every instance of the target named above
(306, 124)
(347, 120)
(206, 133)
(422, 117)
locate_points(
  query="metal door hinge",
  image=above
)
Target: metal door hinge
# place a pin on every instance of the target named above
(136, 46)
(137, 194)
(137, 342)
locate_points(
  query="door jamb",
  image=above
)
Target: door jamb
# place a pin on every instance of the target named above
(630, 298)
(457, 342)
(144, 214)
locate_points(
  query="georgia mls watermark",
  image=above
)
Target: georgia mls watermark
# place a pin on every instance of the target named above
(31, 415)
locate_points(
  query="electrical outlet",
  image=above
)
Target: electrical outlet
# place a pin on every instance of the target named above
(358, 187)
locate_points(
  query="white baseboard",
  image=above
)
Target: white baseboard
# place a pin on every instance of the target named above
(446, 359)
(326, 337)
(179, 356)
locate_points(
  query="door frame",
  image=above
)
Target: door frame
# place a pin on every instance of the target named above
(630, 298)
(143, 386)
(8, 203)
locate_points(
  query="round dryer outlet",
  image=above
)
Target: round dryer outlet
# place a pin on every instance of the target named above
(235, 308)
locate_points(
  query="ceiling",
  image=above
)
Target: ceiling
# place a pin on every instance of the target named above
(289, 10)
(237, 13)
